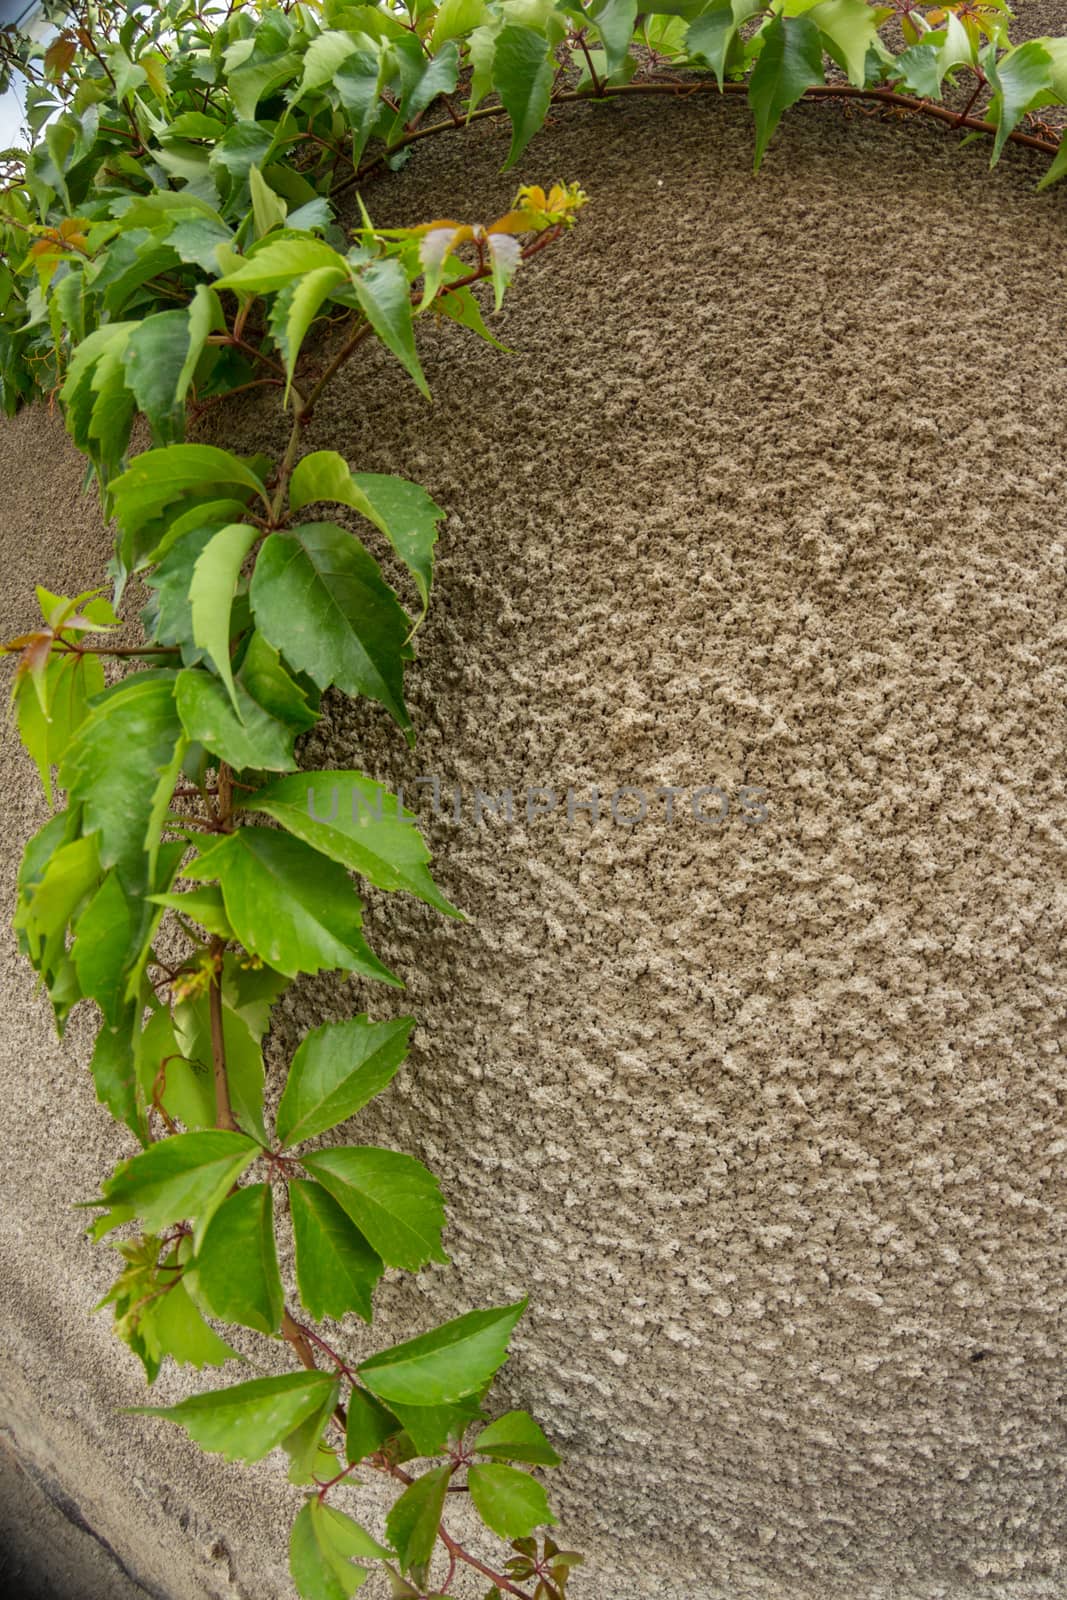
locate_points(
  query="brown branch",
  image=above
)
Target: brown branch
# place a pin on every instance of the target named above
(224, 1117)
(820, 91)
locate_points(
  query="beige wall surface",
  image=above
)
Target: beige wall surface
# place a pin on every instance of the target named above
(767, 1118)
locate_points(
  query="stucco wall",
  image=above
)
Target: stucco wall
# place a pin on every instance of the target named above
(768, 1119)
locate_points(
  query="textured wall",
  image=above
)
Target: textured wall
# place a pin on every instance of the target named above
(768, 1119)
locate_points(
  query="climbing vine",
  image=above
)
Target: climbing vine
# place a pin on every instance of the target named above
(190, 223)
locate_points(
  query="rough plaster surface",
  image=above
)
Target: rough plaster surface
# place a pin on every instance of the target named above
(768, 1119)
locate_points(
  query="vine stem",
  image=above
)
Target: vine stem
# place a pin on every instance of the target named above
(683, 91)
(224, 1117)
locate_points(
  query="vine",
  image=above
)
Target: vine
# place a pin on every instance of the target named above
(172, 239)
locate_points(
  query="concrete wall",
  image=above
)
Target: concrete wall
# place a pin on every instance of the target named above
(767, 1119)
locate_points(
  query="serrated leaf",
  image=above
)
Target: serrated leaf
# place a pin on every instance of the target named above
(119, 763)
(354, 821)
(70, 681)
(451, 1362)
(614, 21)
(323, 1544)
(789, 63)
(249, 738)
(369, 1425)
(851, 26)
(523, 73)
(516, 1437)
(186, 1177)
(392, 1199)
(319, 597)
(400, 509)
(101, 948)
(296, 309)
(113, 1068)
(269, 211)
(155, 359)
(455, 18)
(384, 296)
(179, 1331)
(247, 1421)
(509, 1502)
(358, 84)
(1023, 81)
(322, 58)
(237, 1262)
(158, 478)
(413, 1522)
(336, 1070)
(431, 1427)
(712, 33)
(289, 905)
(199, 905)
(211, 594)
(336, 1269)
(281, 262)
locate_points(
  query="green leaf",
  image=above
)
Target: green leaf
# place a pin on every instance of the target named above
(295, 310)
(1058, 167)
(455, 18)
(157, 352)
(453, 1361)
(281, 262)
(323, 1543)
(178, 1049)
(516, 1437)
(354, 821)
(336, 1269)
(358, 84)
(70, 681)
(1023, 81)
(614, 21)
(310, 1457)
(337, 1069)
(920, 66)
(211, 595)
(267, 681)
(321, 60)
(113, 1067)
(413, 1522)
(199, 905)
(402, 510)
(369, 1425)
(101, 948)
(509, 1502)
(288, 904)
(789, 63)
(384, 296)
(237, 1263)
(851, 27)
(179, 1331)
(251, 738)
(186, 1177)
(431, 1427)
(523, 72)
(424, 79)
(247, 1421)
(319, 597)
(712, 33)
(120, 765)
(205, 317)
(393, 1201)
(268, 211)
(157, 478)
